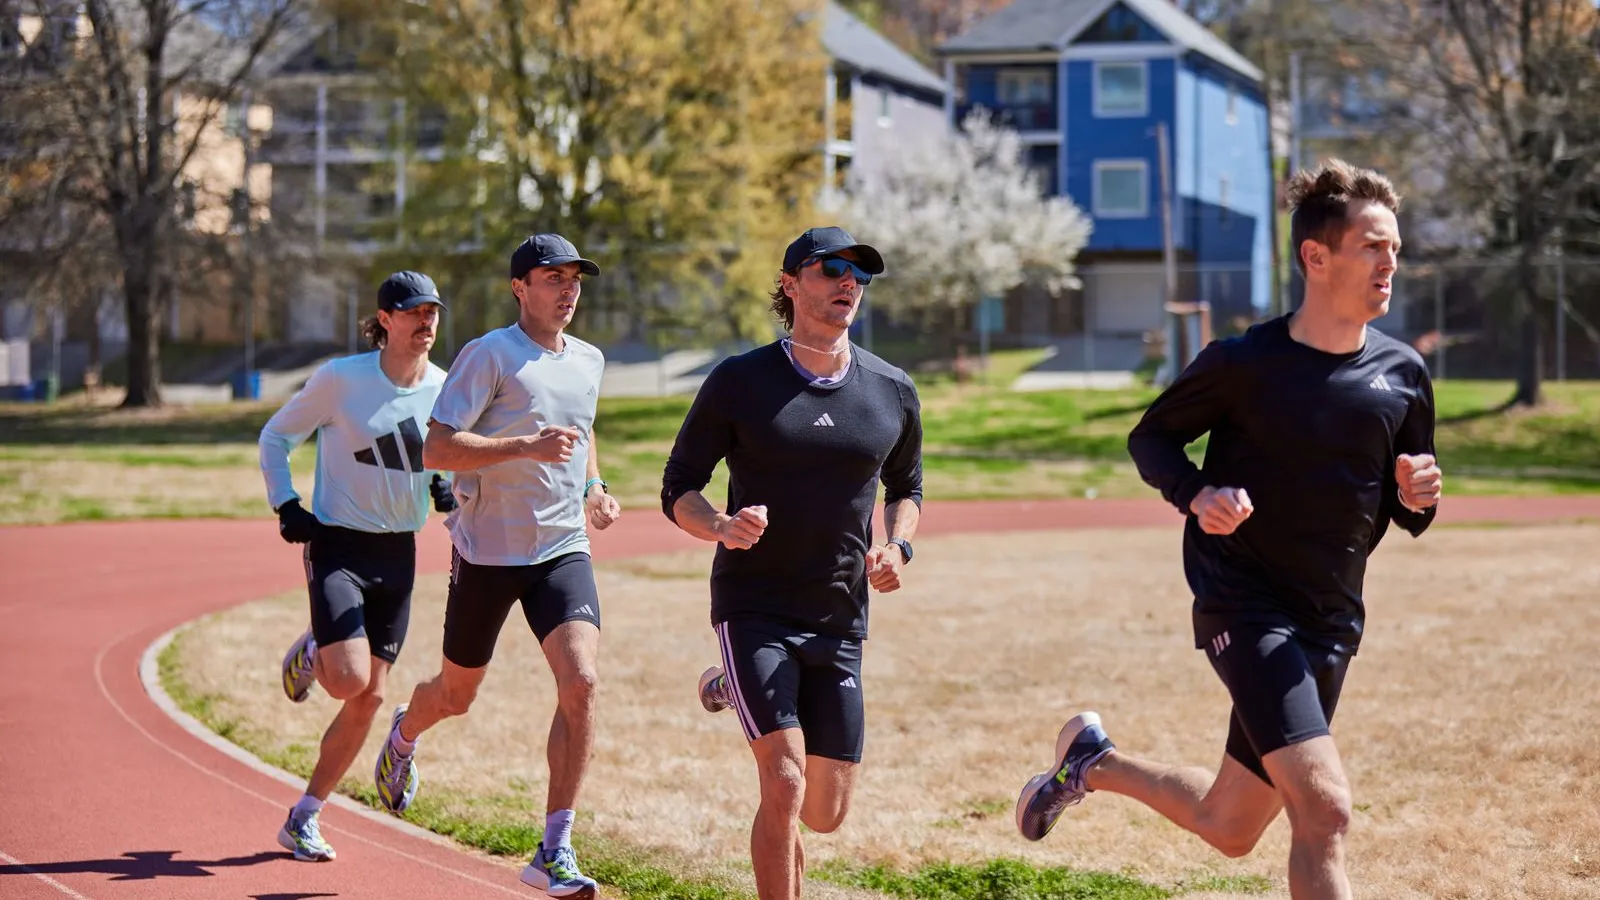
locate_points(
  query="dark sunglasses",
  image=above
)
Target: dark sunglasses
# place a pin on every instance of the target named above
(836, 266)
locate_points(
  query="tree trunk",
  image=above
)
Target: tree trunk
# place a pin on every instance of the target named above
(144, 356)
(1530, 352)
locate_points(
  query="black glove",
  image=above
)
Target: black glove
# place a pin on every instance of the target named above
(295, 524)
(443, 500)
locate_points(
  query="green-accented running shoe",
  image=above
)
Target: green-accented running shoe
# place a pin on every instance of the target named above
(302, 836)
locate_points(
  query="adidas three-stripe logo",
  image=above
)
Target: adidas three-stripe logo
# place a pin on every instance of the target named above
(849, 681)
(824, 420)
(586, 610)
(1380, 384)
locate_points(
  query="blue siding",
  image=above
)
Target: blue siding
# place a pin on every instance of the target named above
(1089, 139)
(1120, 25)
(1232, 232)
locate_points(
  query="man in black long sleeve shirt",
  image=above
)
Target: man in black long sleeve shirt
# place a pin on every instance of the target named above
(1321, 435)
(808, 426)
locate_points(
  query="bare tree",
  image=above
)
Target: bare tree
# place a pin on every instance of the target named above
(1507, 94)
(124, 97)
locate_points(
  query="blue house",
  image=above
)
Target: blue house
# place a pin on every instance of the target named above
(1088, 84)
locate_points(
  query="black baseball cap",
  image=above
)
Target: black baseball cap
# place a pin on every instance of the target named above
(547, 250)
(817, 242)
(407, 290)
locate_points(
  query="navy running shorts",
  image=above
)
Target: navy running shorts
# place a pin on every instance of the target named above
(1284, 689)
(552, 592)
(360, 585)
(785, 677)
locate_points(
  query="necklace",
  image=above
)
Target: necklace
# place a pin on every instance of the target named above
(795, 343)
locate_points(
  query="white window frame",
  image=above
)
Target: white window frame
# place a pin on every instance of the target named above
(1142, 167)
(1100, 112)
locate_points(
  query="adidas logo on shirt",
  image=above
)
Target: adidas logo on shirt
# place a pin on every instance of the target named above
(586, 610)
(1380, 384)
(849, 681)
(824, 420)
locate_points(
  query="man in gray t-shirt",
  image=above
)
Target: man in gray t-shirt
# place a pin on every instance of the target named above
(514, 421)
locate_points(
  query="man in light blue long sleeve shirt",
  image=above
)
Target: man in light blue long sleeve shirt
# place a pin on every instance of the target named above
(368, 412)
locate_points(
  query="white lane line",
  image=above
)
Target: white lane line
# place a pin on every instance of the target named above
(41, 876)
(147, 664)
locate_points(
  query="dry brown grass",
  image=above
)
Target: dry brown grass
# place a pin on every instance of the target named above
(1467, 724)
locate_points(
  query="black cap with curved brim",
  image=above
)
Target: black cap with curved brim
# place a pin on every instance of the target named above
(407, 290)
(541, 250)
(826, 241)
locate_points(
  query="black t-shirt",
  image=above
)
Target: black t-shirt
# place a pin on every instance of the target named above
(1312, 437)
(813, 455)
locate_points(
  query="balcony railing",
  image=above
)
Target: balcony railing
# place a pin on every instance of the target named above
(1028, 117)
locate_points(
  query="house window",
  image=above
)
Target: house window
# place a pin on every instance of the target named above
(1224, 212)
(1024, 87)
(885, 110)
(1231, 114)
(1121, 189)
(1121, 89)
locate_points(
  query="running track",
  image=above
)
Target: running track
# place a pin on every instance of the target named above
(102, 795)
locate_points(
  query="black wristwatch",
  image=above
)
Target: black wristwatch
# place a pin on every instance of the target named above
(904, 545)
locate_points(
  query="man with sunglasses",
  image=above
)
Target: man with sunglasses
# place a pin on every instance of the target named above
(808, 425)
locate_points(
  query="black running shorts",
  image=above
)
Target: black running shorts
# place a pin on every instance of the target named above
(783, 677)
(1284, 689)
(360, 584)
(552, 592)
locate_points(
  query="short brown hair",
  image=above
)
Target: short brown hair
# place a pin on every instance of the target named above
(374, 332)
(783, 304)
(1319, 200)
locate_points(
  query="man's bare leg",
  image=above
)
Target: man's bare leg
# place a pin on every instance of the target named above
(1316, 795)
(775, 834)
(1229, 810)
(341, 743)
(572, 651)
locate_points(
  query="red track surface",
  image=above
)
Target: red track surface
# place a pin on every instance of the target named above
(104, 796)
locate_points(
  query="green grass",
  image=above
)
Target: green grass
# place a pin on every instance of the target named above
(1006, 879)
(979, 442)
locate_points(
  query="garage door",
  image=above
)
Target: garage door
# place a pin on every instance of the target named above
(1124, 299)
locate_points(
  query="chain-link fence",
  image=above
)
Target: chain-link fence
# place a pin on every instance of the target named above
(1467, 316)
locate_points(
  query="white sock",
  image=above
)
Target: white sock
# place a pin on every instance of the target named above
(558, 829)
(400, 743)
(307, 805)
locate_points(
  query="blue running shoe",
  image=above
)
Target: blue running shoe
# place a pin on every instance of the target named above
(302, 836)
(716, 694)
(1081, 744)
(556, 873)
(299, 668)
(396, 772)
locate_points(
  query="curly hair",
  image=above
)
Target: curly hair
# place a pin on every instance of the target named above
(374, 332)
(1319, 202)
(782, 304)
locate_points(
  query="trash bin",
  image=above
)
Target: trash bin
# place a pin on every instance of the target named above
(47, 389)
(246, 385)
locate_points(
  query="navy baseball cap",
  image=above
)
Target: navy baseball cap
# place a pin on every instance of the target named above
(407, 290)
(547, 250)
(818, 242)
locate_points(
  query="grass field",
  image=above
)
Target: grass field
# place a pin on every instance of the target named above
(71, 462)
(1466, 725)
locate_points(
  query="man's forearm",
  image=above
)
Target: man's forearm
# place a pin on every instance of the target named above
(463, 451)
(900, 519)
(694, 514)
(592, 468)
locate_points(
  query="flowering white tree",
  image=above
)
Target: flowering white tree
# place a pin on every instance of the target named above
(961, 219)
